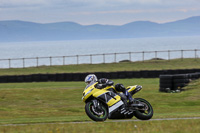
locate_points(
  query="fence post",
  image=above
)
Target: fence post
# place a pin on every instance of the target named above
(115, 58)
(9, 62)
(23, 62)
(77, 59)
(103, 58)
(130, 56)
(143, 56)
(181, 54)
(195, 53)
(50, 59)
(63, 60)
(155, 54)
(169, 55)
(90, 59)
(37, 61)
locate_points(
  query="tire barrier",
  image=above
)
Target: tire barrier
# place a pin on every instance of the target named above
(164, 80)
(166, 83)
(171, 83)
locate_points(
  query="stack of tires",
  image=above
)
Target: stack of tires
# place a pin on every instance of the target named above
(173, 83)
(166, 83)
(180, 81)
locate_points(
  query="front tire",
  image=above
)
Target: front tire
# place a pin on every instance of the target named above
(145, 114)
(95, 115)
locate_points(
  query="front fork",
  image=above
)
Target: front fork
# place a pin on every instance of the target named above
(96, 104)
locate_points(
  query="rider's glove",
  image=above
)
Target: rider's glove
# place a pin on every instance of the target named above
(100, 86)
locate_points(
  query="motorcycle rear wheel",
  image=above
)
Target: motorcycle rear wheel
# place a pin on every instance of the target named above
(89, 109)
(144, 115)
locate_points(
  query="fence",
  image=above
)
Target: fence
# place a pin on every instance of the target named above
(97, 58)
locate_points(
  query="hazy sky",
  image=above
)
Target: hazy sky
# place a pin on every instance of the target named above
(86, 12)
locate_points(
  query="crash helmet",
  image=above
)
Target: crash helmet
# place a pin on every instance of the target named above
(91, 78)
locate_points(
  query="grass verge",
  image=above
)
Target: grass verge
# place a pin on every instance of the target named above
(164, 126)
(61, 101)
(110, 67)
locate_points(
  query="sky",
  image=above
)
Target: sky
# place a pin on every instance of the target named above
(106, 12)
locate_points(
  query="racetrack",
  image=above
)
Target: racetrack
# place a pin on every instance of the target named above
(129, 120)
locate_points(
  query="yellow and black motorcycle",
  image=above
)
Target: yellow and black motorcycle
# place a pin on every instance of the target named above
(101, 104)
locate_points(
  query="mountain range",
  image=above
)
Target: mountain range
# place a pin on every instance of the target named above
(16, 31)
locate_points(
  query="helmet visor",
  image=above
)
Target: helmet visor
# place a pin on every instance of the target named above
(87, 82)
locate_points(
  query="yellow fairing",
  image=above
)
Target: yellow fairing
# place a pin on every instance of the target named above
(100, 92)
(115, 98)
(131, 88)
(88, 92)
(113, 101)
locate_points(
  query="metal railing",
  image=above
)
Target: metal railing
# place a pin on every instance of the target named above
(98, 58)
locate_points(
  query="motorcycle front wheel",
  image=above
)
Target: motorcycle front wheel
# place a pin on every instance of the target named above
(146, 113)
(94, 114)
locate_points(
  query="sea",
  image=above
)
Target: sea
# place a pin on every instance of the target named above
(28, 54)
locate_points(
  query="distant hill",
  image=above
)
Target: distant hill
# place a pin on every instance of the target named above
(28, 31)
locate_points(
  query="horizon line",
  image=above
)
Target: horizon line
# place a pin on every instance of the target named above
(97, 23)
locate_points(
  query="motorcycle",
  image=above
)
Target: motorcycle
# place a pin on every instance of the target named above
(101, 104)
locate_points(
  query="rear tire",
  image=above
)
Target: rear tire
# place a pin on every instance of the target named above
(144, 115)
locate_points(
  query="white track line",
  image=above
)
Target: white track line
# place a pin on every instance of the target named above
(130, 120)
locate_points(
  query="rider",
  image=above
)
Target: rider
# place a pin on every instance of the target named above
(103, 82)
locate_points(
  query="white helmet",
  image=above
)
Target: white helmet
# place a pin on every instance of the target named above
(91, 78)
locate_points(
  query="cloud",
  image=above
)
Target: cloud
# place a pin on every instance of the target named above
(12, 3)
(136, 11)
(21, 2)
(111, 3)
(97, 11)
(94, 3)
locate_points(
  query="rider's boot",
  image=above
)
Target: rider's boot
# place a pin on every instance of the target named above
(131, 100)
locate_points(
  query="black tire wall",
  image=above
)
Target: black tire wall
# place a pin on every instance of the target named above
(111, 75)
(176, 81)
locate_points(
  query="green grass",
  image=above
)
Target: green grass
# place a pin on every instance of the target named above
(111, 67)
(175, 126)
(54, 102)
(61, 101)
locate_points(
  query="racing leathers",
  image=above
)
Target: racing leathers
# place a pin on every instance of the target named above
(103, 82)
